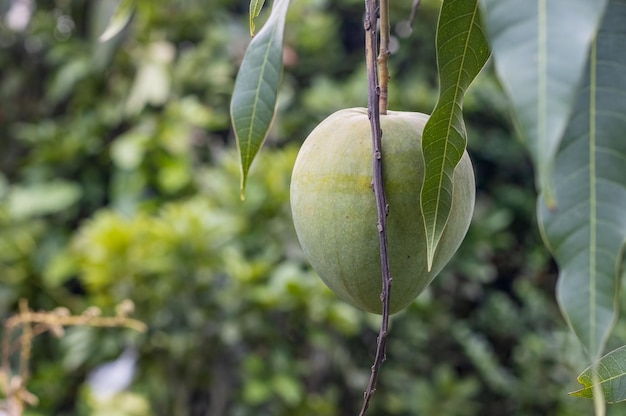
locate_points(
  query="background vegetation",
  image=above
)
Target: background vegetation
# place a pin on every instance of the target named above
(119, 180)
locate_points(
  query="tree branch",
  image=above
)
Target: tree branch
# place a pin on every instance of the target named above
(371, 17)
(383, 56)
(13, 387)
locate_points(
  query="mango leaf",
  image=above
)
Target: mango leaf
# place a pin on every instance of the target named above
(539, 50)
(253, 102)
(587, 232)
(119, 20)
(255, 9)
(462, 51)
(611, 375)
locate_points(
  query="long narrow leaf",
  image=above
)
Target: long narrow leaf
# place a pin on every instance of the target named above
(462, 51)
(611, 373)
(119, 20)
(587, 233)
(255, 9)
(253, 103)
(539, 49)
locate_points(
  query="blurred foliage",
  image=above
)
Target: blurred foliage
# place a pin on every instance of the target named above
(118, 181)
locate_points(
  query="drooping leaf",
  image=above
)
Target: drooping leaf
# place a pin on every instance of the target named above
(255, 9)
(539, 50)
(119, 20)
(611, 375)
(253, 102)
(462, 51)
(587, 232)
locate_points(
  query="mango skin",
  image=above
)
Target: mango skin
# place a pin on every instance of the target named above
(334, 209)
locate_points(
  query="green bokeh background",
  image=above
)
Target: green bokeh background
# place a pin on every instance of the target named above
(119, 180)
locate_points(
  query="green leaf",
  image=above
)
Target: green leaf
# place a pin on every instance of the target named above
(119, 20)
(587, 233)
(462, 51)
(42, 198)
(539, 50)
(611, 376)
(253, 102)
(255, 9)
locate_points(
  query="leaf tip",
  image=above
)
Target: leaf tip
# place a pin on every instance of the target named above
(108, 34)
(584, 393)
(255, 10)
(431, 258)
(242, 187)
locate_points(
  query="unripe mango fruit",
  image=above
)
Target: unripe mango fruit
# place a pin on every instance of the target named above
(334, 208)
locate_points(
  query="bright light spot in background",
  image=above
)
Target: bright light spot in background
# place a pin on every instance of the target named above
(18, 16)
(114, 377)
(64, 28)
(404, 29)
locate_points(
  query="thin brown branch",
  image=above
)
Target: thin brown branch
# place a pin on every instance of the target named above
(51, 320)
(381, 203)
(26, 342)
(383, 56)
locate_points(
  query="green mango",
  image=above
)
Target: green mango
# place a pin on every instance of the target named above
(334, 208)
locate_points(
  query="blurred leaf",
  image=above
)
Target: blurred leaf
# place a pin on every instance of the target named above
(100, 15)
(255, 9)
(587, 232)
(153, 80)
(78, 345)
(462, 51)
(191, 111)
(59, 269)
(44, 198)
(482, 356)
(256, 391)
(287, 388)
(174, 174)
(67, 77)
(121, 404)
(539, 49)
(120, 19)
(253, 101)
(4, 186)
(128, 150)
(611, 373)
